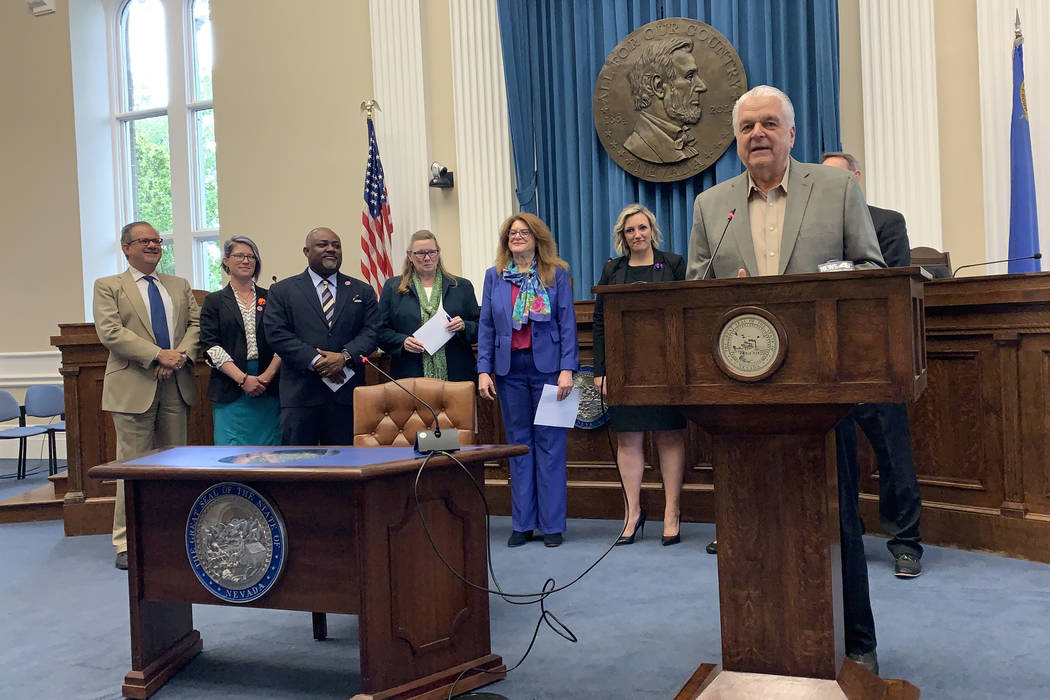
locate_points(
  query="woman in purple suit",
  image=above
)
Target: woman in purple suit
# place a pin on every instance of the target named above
(527, 339)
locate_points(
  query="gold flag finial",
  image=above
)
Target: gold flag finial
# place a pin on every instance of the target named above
(369, 108)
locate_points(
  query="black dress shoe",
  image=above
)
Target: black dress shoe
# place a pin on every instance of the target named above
(906, 566)
(668, 540)
(712, 548)
(122, 561)
(639, 529)
(518, 538)
(552, 539)
(869, 660)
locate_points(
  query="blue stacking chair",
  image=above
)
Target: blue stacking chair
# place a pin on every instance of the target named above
(11, 410)
(48, 401)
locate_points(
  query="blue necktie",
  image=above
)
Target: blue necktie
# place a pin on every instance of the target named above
(156, 315)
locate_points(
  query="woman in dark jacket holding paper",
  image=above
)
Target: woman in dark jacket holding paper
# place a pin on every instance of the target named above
(424, 289)
(635, 237)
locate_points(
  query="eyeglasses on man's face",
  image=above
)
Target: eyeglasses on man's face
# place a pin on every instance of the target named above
(243, 256)
(146, 241)
(425, 254)
(523, 233)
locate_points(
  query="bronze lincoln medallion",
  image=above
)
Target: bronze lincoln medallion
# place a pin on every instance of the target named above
(663, 101)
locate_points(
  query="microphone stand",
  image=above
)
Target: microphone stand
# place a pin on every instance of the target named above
(426, 441)
(1034, 256)
(729, 220)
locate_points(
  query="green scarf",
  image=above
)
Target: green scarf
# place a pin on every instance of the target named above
(434, 366)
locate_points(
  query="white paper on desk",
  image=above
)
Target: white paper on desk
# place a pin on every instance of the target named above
(555, 413)
(433, 334)
(347, 373)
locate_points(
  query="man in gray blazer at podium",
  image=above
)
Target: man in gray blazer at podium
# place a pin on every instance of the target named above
(783, 217)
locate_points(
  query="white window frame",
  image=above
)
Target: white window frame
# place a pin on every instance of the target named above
(187, 233)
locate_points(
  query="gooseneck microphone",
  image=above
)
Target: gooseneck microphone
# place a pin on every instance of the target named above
(426, 441)
(729, 220)
(1033, 256)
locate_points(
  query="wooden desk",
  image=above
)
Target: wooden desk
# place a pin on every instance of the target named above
(354, 544)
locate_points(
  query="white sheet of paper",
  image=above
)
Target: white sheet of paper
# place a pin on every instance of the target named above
(433, 334)
(555, 413)
(347, 373)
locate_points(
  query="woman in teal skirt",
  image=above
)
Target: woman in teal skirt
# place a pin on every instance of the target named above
(242, 390)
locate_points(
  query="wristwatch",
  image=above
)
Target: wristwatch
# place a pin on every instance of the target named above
(346, 357)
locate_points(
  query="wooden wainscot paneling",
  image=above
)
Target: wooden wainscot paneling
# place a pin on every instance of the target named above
(979, 433)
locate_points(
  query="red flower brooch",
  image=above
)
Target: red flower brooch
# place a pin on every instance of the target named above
(261, 304)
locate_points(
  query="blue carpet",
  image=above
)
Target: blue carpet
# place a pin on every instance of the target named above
(972, 626)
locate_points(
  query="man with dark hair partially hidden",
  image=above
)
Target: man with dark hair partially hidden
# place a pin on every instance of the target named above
(886, 424)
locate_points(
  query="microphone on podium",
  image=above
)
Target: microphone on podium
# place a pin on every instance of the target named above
(1033, 256)
(426, 441)
(711, 262)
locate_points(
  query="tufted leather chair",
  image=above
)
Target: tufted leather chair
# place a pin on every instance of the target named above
(384, 415)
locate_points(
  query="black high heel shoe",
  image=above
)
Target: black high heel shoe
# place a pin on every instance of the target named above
(639, 527)
(669, 540)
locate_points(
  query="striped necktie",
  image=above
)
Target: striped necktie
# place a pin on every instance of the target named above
(327, 302)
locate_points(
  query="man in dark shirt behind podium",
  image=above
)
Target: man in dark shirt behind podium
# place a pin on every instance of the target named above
(886, 424)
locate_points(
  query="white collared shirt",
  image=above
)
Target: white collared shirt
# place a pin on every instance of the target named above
(143, 285)
(333, 282)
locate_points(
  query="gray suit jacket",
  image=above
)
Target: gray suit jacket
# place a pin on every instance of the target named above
(826, 219)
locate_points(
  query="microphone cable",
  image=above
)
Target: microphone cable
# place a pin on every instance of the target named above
(550, 586)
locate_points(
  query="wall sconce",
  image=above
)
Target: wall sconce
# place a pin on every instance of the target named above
(440, 176)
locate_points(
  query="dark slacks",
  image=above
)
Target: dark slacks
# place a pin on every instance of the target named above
(886, 427)
(537, 479)
(327, 424)
(856, 600)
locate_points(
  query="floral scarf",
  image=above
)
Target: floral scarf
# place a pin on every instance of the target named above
(434, 366)
(532, 304)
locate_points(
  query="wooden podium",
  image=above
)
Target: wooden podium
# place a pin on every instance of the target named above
(353, 543)
(768, 366)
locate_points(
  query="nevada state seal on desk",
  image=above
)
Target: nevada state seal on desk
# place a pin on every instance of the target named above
(235, 540)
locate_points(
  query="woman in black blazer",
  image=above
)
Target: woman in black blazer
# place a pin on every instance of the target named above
(635, 237)
(402, 313)
(245, 409)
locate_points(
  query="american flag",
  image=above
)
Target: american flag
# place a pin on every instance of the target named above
(378, 228)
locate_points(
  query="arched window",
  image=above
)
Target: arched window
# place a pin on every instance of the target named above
(165, 136)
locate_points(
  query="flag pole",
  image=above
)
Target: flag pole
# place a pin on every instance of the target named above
(377, 226)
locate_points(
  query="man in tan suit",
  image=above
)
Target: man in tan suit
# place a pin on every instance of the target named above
(150, 323)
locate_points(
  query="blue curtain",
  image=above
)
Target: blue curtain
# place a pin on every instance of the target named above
(552, 53)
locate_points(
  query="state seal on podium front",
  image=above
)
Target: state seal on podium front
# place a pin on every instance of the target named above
(235, 541)
(749, 344)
